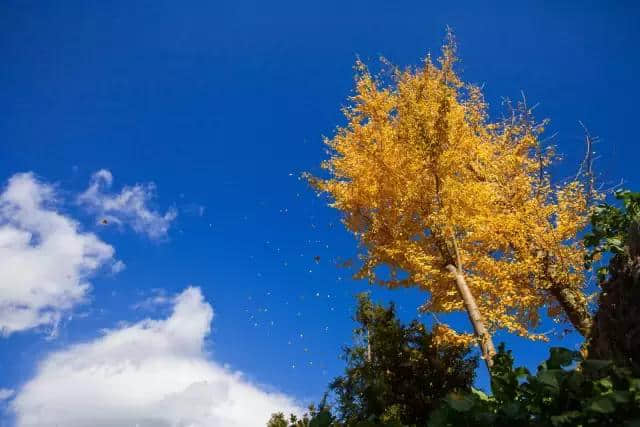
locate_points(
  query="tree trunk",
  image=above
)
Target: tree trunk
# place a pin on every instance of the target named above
(615, 334)
(574, 307)
(486, 343)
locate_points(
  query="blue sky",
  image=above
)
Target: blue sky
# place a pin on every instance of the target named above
(221, 106)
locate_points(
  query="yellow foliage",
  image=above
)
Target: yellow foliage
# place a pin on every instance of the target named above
(419, 166)
(443, 335)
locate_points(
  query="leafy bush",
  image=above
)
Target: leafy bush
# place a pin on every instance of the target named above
(565, 391)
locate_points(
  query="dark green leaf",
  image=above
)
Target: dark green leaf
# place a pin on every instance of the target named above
(548, 378)
(561, 357)
(602, 405)
(460, 402)
(565, 418)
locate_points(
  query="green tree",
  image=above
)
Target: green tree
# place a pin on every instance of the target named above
(278, 420)
(397, 373)
(315, 417)
(616, 329)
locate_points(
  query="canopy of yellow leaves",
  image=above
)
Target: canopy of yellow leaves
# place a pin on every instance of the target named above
(419, 168)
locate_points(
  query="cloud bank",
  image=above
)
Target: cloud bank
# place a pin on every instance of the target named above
(129, 207)
(45, 260)
(150, 374)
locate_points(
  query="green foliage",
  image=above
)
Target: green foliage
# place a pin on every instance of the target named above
(610, 228)
(323, 419)
(615, 334)
(278, 420)
(396, 373)
(565, 391)
(320, 417)
(395, 376)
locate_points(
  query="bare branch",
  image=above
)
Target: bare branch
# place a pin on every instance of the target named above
(586, 167)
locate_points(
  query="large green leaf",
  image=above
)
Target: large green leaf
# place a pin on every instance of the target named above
(561, 357)
(549, 379)
(460, 402)
(602, 404)
(565, 418)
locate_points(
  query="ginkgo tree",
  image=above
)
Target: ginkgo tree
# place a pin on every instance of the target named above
(456, 204)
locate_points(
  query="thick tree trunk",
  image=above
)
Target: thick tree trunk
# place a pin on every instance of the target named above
(486, 343)
(615, 333)
(574, 307)
(572, 302)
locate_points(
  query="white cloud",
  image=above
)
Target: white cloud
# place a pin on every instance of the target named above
(158, 298)
(117, 267)
(45, 260)
(130, 206)
(150, 374)
(5, 393)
